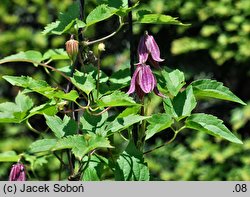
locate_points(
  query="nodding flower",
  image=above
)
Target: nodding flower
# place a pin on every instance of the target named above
(148, 50)
(143, 82)
(17, 172)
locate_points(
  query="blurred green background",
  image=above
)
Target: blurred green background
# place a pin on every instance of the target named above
(216, 45)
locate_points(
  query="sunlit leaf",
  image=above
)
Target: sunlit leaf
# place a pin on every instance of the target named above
(131, 166)
(157, 123)
(211, 125)
(214, 89)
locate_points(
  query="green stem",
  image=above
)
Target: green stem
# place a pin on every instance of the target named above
(106, 37)
(98, 73)
(142, 129)
(32, 128)
(168, 142)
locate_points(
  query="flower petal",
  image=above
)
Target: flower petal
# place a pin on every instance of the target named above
(142, 50)
(146, 79)
(156, 91)
(153, 48)
(133, 80)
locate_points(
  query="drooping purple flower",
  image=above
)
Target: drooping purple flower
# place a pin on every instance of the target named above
(143, 82)
(149, 50)
(17, 172)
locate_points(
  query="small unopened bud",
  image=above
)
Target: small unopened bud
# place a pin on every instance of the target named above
(17, 172)
(72, 47)
(101, 47)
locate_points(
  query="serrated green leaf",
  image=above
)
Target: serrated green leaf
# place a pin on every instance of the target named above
(61, 128)
(94, 170)
(117, 98)
(214, 89)
(159, 19)
(9, 156)
(100, 13)
(84, 82)
(33, 56)
(95, 125)
(211, 125)
(41, 87)
(131, 166)
(42, 145)
(82, 144)
(24, 102)
(157, 123)
(65, 22)
(173, 81)
(16, 112)
(184, 103)
(47, 108)
(120, 124)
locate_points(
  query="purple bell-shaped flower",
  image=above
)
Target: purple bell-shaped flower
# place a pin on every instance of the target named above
(148, 50)
(143, 82)
(17, 172)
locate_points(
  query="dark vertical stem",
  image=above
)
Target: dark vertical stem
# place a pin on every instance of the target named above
(136, 127)
(131, 39)
(70, 86)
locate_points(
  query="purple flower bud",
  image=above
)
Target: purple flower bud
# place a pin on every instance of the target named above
(143, 82)
(149, 50)
(17, 172)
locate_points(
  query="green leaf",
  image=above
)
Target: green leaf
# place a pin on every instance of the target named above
(131, 166)
(94, 170)
(16, 112)
(117, 98)
(169, 108)
(100, 13)
(174, 81)
(130, 110)
(184, 103)
(114, 3)
(41, 87)
(55, 54)
(120, 79)
(48, 108)
(120, 124)
(84, 82)
(33, 56)
(82, 144)
(214, 89)
(65, 22)
(60, 128)
(96, 124)
(9, 156)
(157, 123)
(159, 19)
(211, 125)
(42, 145)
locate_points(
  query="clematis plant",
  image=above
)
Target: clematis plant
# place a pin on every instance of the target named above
(88, 137)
